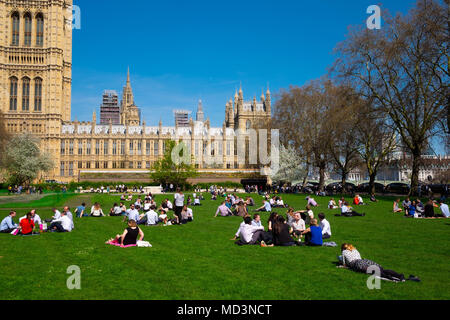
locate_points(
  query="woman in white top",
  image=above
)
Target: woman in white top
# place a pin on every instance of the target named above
(96, 211)
(352, 259)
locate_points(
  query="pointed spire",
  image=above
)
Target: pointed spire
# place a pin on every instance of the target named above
(262, 95)
(268, 91)
(128, 78)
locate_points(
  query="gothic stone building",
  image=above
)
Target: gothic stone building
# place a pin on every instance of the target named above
(35, 97)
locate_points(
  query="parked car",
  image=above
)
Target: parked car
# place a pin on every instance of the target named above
(364, 187)
(397, 187)
(337, 187)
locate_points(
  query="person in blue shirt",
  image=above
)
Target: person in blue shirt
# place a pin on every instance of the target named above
(313, 235)
(81, 211)
(411, 210)
(7, 225)
(266, 207)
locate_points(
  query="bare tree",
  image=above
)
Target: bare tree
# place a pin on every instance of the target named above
(301, 116)
(376, 141)
(404, 68)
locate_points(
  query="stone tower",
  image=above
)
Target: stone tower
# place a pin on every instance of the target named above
(130, 114)
(36, 68)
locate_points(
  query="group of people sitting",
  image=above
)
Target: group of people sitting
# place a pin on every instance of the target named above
(32, 224)
(283, 231)
(416, 209)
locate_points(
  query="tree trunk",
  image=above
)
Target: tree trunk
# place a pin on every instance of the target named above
(416, 160)
(372, 177)
(343, 182)
(321, 177)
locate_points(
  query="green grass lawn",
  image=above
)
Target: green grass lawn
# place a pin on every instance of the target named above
(199, 261)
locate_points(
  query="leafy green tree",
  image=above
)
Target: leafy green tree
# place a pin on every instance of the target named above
(175, 167)
(23, 161)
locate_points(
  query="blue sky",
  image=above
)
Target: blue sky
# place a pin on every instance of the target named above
(182, 51)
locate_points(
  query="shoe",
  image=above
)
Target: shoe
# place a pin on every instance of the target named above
(413, 278)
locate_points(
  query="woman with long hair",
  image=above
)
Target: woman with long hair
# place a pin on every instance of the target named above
(271, 221)
(282, 233)
(352, 259)
(96, 211)
(129, 235)
(313, 235)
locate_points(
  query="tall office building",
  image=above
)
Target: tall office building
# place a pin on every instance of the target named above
(110, 109)
(181, 118)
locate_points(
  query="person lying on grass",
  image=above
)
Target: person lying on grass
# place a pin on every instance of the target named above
(347, 211)
(352, 259)
(129, 235)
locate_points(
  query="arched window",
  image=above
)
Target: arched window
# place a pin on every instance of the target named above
(27, 39)
(25, 94)
(15, 29)
(38, 94)
(39, 29)
(248, 125)
(13, 94)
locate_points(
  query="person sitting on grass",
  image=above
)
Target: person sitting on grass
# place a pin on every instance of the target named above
(356, 200)
(271, 221)
(129, 235)
(307, 213)
(347, 211)
(372, 198)
(290, 216)
(325, 226)
(406, 204)
(96, 211)
(352, 260)
(186, 215)
(56, 214)
(298, 225)
(131, 214)
(341, 202)
(445, 213)
(122, 197)
(249, 202)
(332, 204)
(63, 224)
(36, 219)
(248, 234)
(150, 218)
(27, 225)
(281, 234)
(396, 207)
(116, 211)
(256, 222)
(313, 235)
(80, 211)
(266, 207)
(163, 216)
(130, 197)
(420, 209)
(224, 210)
(411, 210)
(241, 209)
(197, 201)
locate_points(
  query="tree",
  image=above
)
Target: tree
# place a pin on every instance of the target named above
(4, 135)
(403, 69)
(292, 166)
(23, 160)
(301, 116)
(344, 115)
(173, 167)
(376, 141)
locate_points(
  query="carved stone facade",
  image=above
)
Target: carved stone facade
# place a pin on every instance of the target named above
(35, 73)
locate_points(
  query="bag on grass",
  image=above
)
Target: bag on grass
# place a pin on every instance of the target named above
(144, 244)
(15, 232)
